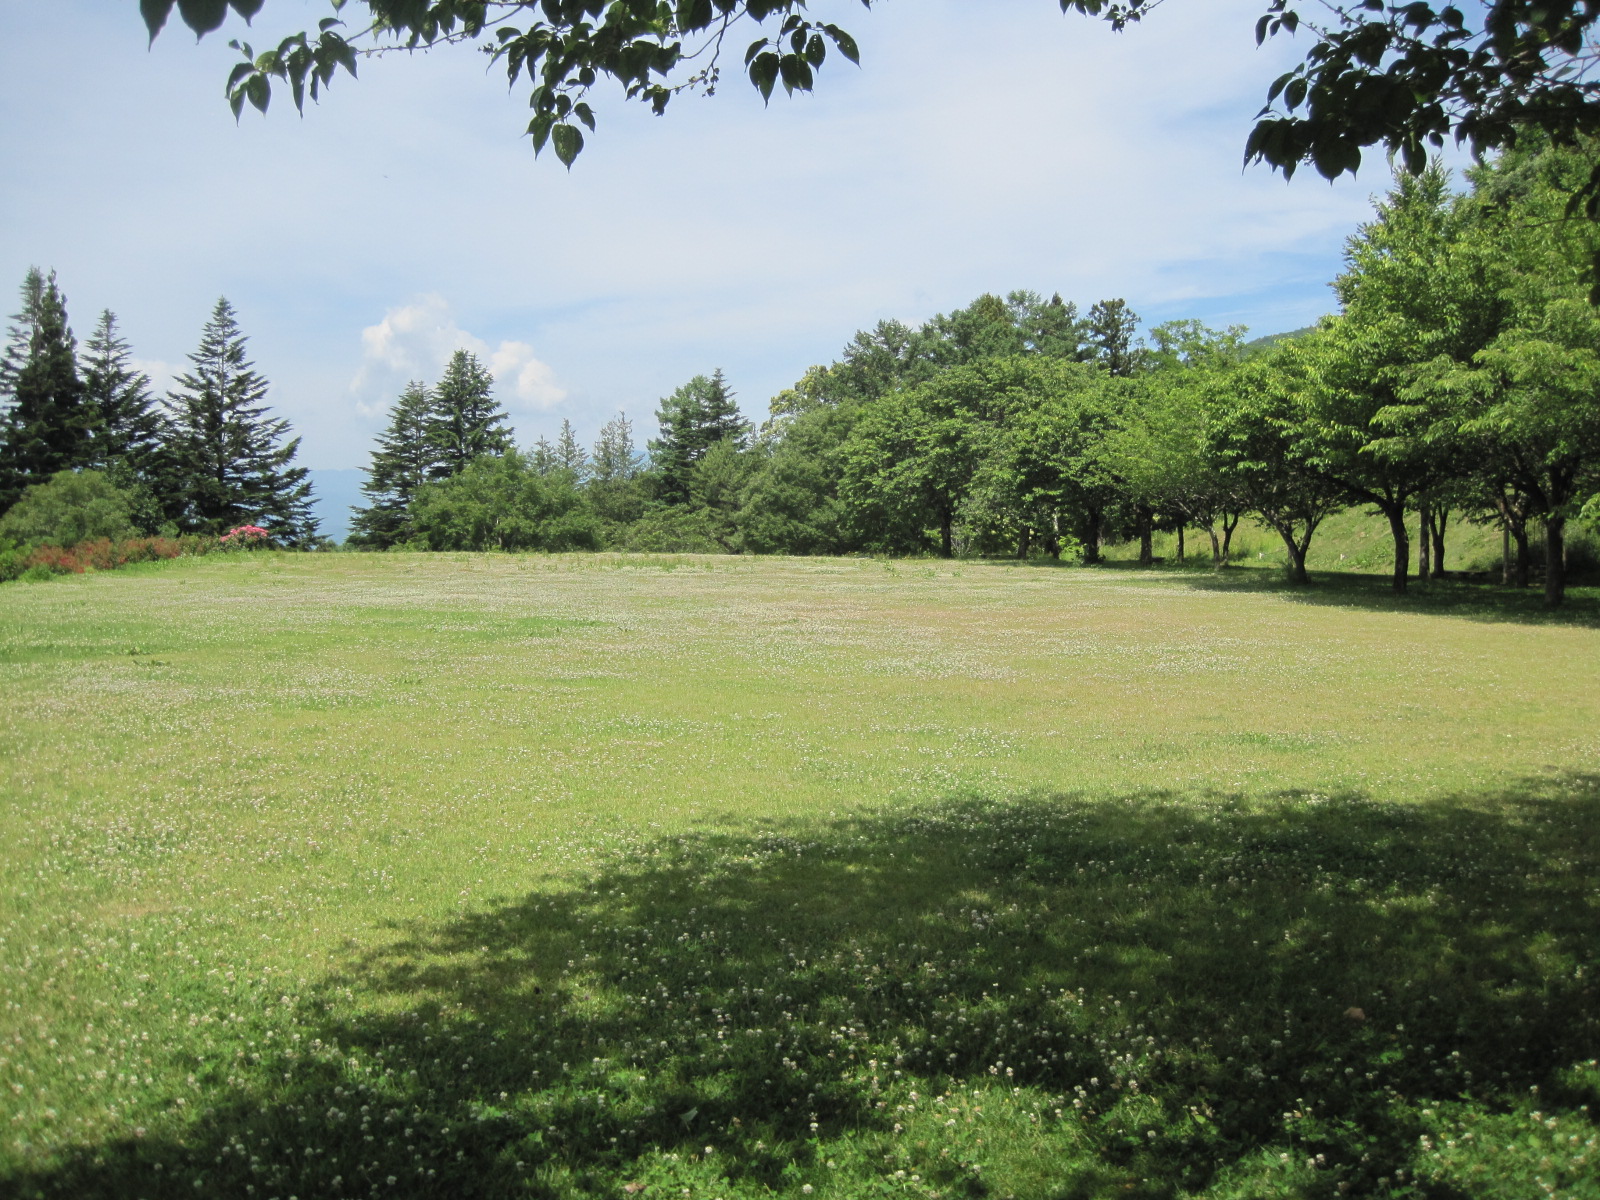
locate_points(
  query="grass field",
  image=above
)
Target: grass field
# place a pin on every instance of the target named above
(402, 875)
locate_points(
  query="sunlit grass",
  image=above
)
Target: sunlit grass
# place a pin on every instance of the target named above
(460, 875)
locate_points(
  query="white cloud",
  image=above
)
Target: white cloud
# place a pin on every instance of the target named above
(529, 380)
(416, 340)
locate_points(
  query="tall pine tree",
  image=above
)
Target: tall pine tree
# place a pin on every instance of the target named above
(694, 418)
(467, 421)
(19, 338)
(235, 465)
(48, 425)
(615, 460)
(1112, 328)
(129, 441)
(570, 456)
(404, 460)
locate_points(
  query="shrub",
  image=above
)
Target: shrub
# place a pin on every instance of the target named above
(675, 530)
(70, 508)
(502, 503)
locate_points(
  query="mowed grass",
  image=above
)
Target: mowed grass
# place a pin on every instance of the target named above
(349, 876)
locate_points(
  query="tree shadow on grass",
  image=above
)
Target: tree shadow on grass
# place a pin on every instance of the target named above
(1038, 997)
(1469, 600)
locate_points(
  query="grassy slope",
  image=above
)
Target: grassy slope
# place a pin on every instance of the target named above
(512, 876)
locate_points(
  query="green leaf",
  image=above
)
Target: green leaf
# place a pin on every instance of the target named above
(568, 142)
(539, 130)
(845, 43)
(764, 73)
(246, 8)
(258, 90)
(203, 16)
(155, 14)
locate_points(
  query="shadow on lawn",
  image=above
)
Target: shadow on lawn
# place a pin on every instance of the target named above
(1178, 975)
(1472, 600)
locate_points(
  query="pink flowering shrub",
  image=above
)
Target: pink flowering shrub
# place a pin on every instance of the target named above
(245, 537)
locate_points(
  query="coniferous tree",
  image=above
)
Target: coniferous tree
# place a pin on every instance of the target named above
(233, 465)
(467, 420)
(694, 418)
(128, 423)
(721, 419)
(542, 458)
(615, 460)
(614, 487)
(404, 460)
(48, 425)
(19, 338)
(570, 456)
(1112, 328)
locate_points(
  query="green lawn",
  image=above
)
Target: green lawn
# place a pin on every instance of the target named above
(456, 875)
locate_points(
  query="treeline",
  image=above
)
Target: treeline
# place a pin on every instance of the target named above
(87, 449)
(1460, 379)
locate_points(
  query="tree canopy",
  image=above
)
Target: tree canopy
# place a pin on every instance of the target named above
(1403, 76)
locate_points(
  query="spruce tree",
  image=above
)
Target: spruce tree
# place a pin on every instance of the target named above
(19, 338)
(404, 460)
(721, 419)
(615, 460)
(467, 421)
(542, 458)
(694, 418)
(130, 432)
(570, 456)
(48, 425)
(614, 489)
(234, 464)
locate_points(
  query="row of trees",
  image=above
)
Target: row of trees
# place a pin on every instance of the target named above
(205, 458)
(1461, 377)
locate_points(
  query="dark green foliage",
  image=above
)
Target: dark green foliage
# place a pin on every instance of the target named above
(128, 429)
(1111, 330)
(694, 418)
(792, 503)
(130, 441)
(68, 508)
(501, 502)
(406, 457)
(234, 464)
(467, 422)
(19, 337)
(48, 425)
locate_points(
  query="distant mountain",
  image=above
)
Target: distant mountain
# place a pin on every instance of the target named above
(333, 494)
(1257, 345)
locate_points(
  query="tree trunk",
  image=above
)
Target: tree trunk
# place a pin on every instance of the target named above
(1025, 541)
(1555, 561)
(1424, 542)
(1147, 551)
(1441, 518)
(1402, 548)
(1180, 541)
(1227, 534)
(1216, 546)
(1053, 538)
(1297, 557)
(1091, 541)
(1519, 534)
(946, 543)
(1505, 550)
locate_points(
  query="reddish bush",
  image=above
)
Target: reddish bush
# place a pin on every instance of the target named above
(102, 554)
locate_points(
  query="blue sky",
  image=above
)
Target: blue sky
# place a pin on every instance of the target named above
(406, 215)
